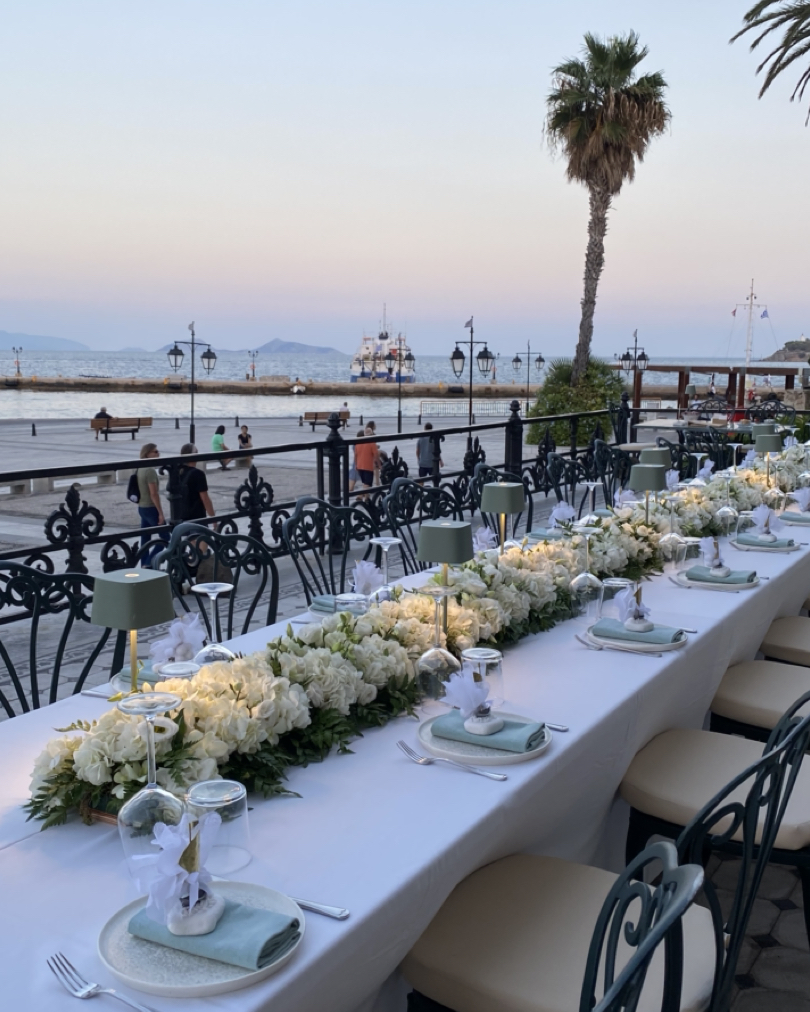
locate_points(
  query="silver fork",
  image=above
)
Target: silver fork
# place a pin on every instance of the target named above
(423, 760)
(70, 978)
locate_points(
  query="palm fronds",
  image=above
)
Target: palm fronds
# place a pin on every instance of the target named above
(793, 18)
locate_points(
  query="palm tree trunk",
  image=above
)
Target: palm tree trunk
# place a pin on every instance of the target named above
(594, 262)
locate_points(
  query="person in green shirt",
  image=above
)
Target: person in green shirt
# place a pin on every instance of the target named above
(150, 509)
(218, 445)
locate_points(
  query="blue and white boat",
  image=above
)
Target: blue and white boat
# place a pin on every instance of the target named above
(369, 361)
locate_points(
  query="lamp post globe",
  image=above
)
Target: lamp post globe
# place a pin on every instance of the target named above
(209, 360)
(539, 362)
(485, 358)
(176, 356)
(457, 360)
(517, 363)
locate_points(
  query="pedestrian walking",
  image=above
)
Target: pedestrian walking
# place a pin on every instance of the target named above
(424, 453)
(196, 502)
(150, 509)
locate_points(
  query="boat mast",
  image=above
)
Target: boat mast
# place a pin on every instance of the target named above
(749, 334)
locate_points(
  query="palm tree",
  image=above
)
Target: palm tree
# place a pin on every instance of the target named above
(795, 19)
(602, 117)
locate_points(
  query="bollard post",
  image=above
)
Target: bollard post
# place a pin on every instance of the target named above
(33, 429)
(177, 423)
(513, 437)
(236, 422)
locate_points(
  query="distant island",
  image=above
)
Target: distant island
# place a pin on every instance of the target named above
(35, 342)
(278, 347)
(793, 351)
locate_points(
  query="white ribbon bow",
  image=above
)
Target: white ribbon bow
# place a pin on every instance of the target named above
(802, 497)
(623, 497)
(162, 877)
(628, 605)
(789, 441)
(367, 578)
(484, 539)
(706, 470)
(672, 478)
(711, 551)
(562, 514)
(765, 520)
(183, 643)
(463, 691)
(749, 458)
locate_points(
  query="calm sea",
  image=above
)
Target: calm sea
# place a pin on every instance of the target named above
(27, 404)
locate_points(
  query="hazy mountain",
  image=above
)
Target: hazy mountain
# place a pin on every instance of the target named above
(34, 342)
(296, 348)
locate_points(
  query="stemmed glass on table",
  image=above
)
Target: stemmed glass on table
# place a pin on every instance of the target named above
(213, 651)
(152, 804)
(585, 586)
(385, 544)
(437, 664)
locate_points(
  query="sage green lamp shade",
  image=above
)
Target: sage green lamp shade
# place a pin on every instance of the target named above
(445, 541)
(763, 429)
(691, 390)
(132, 599)
(503, 497)
(768, 443)
(656, 455)
(648, 478)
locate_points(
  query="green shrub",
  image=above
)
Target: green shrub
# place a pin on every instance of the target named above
(600, 386)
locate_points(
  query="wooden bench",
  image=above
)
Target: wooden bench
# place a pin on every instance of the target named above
(109, 426)
(322, 418)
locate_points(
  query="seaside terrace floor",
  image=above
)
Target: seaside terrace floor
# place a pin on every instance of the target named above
(773, 974)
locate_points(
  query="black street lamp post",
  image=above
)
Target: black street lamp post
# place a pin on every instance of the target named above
(208, 359)
(635, 360)
(484, 358)
(253, 355)
(517, 365)
(395, 359)
(17, 352)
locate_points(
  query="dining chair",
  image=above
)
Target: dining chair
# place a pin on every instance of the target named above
(407, 505)
(53, 607)
(547, 935)
(753, 695)
(199, 554)
(788, 639)
(758, 810)
(324, 541)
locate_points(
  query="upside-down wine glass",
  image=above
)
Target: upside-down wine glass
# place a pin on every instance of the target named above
(213, 651)
(152, 804)
(585, 586)
(591, 518)
(697, 480)
(437, 664)
(734, 447)
(385, 544)
(727, 514)
(670, 541)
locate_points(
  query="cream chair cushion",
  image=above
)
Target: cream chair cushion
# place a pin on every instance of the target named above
(514, 937)
(680, 771)
(788, 639)
(759, 692)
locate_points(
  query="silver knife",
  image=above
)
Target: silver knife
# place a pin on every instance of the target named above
(338, 913)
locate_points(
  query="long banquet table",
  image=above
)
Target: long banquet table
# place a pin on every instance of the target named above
(377, 834)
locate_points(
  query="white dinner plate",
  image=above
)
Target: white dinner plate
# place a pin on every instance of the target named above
(156, 969)
(684, 581)
(764, 548)
(480, 755)
(637, 648)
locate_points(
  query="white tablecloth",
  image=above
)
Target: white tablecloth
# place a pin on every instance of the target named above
(382, 836)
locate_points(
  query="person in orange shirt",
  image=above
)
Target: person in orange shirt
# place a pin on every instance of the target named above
(367, 458)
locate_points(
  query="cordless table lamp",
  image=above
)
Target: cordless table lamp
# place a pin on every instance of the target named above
(503, 497)
(132, 599)
(656, 455)
(767, 444)
(763, 429)
(647, 478)
(448, 542)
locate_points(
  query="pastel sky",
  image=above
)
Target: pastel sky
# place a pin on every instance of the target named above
(280, 168)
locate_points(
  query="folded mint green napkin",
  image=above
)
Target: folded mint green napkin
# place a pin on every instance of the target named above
(613, 629)
(795, 517)
(602, 512)
(754, 542)
(547, 534)
(704, 575)
(513, 736)
(324, 603)
(245, 936)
